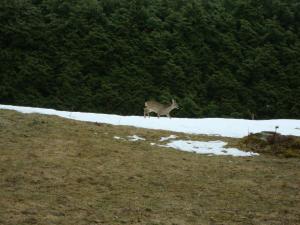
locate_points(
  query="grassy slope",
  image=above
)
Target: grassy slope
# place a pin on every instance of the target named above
(58, 171)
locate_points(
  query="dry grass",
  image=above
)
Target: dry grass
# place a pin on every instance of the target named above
(58, 171)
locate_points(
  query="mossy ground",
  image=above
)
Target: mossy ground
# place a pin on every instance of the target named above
(59, 171)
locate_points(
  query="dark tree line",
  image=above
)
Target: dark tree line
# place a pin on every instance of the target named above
(217, 58)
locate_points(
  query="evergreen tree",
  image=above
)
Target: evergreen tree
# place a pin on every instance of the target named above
(216, 58)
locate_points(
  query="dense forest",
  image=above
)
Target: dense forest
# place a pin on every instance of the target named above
(217, 58)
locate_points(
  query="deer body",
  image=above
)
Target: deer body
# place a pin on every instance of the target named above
(159, 109)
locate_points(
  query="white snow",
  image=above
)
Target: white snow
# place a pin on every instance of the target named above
(118, 138)
(130, 138)
(210, 147)
(201, 147)
(209, 126)
(168, 138)
(135, 138)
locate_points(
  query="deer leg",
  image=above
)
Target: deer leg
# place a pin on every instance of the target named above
(146, 112)
(168, 115)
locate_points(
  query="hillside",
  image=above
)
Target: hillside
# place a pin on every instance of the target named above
(236, 128)
(216, 58)
(59, 171)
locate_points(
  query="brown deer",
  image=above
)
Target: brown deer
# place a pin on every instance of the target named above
(159, 109)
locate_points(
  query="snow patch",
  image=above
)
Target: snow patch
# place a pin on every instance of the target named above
(135, 138)
(168, 138)
(130, 138)
(210, 147)
(118, 138)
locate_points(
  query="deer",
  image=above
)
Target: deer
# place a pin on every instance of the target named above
(159, 109)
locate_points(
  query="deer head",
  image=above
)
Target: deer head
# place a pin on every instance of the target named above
(174, 104)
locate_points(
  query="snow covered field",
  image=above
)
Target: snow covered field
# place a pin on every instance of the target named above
(210, 126)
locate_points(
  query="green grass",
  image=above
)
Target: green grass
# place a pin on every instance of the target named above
(59, 171)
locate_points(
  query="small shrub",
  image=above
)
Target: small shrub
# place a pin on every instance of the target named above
(272, 143)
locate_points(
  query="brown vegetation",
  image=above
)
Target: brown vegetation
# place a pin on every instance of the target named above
(272, 143)
(59, 171)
